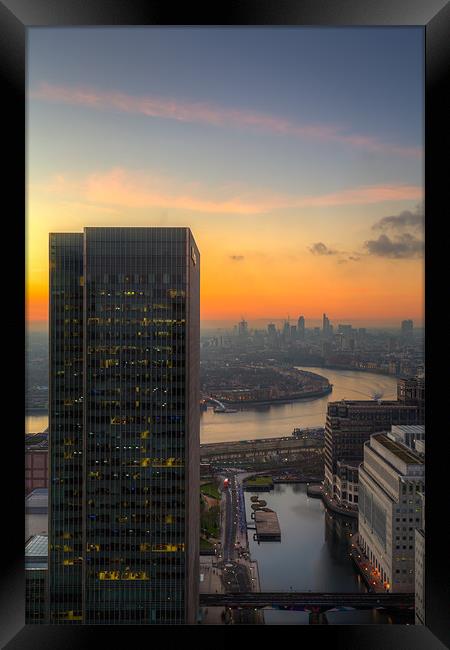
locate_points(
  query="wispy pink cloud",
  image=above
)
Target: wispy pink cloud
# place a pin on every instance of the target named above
(120, 187)
(211, 114)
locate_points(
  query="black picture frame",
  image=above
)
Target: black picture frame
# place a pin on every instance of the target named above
(15, 17)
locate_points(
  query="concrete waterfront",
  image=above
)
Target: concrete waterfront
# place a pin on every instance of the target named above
(319, 492)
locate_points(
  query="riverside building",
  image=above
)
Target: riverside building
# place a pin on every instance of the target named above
(348, 426)
(124, 426)
(391, 479)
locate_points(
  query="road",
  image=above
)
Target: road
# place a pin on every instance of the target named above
(237, 576)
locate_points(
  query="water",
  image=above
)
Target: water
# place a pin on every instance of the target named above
(36, 423)
(278, 419)
(312, 556)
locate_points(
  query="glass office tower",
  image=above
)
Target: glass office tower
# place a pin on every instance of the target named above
(132, 557)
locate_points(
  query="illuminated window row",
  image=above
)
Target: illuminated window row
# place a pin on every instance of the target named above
(122, 575)
(136, 419)
(108, 476)
(97, 320)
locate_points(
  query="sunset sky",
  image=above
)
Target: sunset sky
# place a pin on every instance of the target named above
(295, 155)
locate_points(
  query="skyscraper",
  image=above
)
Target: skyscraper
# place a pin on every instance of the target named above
(407, 330)
(301, 328)
(124, 426)
(243, 329)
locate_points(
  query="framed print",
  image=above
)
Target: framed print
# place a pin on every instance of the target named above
(232, 246)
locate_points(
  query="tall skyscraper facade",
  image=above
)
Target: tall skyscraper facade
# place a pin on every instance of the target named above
(124, 426)
(301, 327)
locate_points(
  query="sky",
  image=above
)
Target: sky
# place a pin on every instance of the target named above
(295, 155)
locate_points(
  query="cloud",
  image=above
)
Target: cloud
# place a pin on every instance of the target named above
(236, 258)
(402, 247)
(349, 258)
(405, 219)
(404, 238)
(120, 187)
(214, 115)
(320, 249)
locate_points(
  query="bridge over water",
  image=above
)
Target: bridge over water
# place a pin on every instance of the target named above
(308, 600)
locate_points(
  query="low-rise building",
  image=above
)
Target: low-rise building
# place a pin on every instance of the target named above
(391, 479)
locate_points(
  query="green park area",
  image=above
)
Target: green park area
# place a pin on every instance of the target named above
(209, 521)
(210, 490)
(258, 482)
(209, 516)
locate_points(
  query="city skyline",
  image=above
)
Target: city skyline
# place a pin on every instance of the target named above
(302, 181)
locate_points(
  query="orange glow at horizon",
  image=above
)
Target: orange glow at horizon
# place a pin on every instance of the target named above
(256, 266)
(260, 289)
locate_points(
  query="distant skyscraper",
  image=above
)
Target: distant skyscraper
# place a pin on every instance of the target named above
(243, 329)
(325, 326)
(407, 330)
(301, 328)
(272, 331)
(124, 426)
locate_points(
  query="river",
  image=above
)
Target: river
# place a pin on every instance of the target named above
(280, 419)
(277, 419)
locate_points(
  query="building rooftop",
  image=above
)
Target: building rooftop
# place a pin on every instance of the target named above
(36, 440)
(37, 546)
(36, 552)
(416, 429)
(37, 501)
(399, 450)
